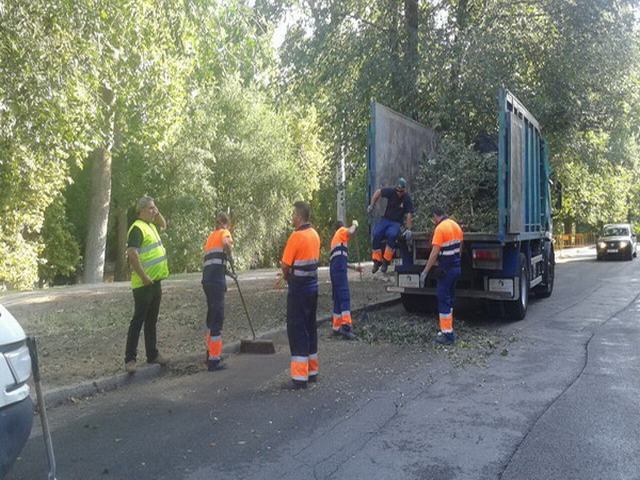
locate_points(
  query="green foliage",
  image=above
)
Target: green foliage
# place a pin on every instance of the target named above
(237, 155)
(61, 254)
(575, 67)
(193, 123)
(599, 186)
(463, 182)
(207, 117)
(43, 112)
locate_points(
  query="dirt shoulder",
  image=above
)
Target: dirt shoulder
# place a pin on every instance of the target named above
(82, 330)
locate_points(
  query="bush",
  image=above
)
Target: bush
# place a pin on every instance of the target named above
(61, 255)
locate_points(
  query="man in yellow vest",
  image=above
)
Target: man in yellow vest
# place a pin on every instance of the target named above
(148, 261)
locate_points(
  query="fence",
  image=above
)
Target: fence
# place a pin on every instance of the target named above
(578, 240)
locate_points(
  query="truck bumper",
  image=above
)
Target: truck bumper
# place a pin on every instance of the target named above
(15, 426)
(459, 293)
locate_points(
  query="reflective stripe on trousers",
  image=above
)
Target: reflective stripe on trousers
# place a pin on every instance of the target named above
(446, 322)
(314, 364)
(340, 319)
(214, 346)
(300, 368)
(340, 293)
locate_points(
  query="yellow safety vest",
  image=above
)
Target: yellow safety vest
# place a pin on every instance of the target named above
(153, 256)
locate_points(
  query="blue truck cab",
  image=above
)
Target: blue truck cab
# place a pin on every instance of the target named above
(505, 265)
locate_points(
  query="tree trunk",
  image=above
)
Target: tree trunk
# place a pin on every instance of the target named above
(457, 57)
(411, 23)
(122, 269)
(396, 67)
(100, 201)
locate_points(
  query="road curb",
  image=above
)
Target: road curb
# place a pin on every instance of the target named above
(574, 251)
(61, 395)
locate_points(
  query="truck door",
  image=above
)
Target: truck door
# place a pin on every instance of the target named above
(396, 144)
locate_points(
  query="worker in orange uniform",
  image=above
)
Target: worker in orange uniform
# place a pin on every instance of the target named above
(445, 252)
(338, 264)
(399, 210)
(300, 270)
(217, 253)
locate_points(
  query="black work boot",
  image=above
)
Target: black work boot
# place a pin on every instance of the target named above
(376, 266)
(214, 365)
(384, 266)
(347, 332)
(445, 338)
(299, 384)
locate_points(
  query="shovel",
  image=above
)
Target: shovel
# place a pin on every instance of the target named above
(255, 345)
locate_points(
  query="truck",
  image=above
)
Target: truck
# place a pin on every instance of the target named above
(503, 266)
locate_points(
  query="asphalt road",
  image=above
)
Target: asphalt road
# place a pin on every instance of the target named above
(560, 402)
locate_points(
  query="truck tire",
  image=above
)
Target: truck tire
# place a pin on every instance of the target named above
(517, 310)
(545, 289)
(417, 303)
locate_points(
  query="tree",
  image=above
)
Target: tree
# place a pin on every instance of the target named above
(137, 72)
(238, 155)
(43, 110)
(574, 67)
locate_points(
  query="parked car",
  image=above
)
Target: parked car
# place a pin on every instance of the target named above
(16, 407)
(617, 240)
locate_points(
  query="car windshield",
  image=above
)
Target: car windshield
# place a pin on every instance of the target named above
(616, 231)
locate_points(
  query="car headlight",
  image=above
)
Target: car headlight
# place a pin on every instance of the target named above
(624, 244)
(601, 245)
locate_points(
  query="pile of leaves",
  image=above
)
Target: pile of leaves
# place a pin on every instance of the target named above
(461, 180)
(473, 345)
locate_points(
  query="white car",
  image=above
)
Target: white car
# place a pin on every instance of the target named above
(16, 407)
(617, 240)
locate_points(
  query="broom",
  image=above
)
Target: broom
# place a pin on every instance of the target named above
(254, 345)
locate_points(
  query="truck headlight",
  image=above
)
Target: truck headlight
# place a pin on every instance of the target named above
(601, 245)
(624, 244)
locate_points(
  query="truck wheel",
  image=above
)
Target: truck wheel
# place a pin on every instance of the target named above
(516, 310)
(417, 303)
(546, 288)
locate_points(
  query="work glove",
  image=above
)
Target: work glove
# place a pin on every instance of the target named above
(370, 208)
(423, 277)
(354, 223)
(407, 235)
